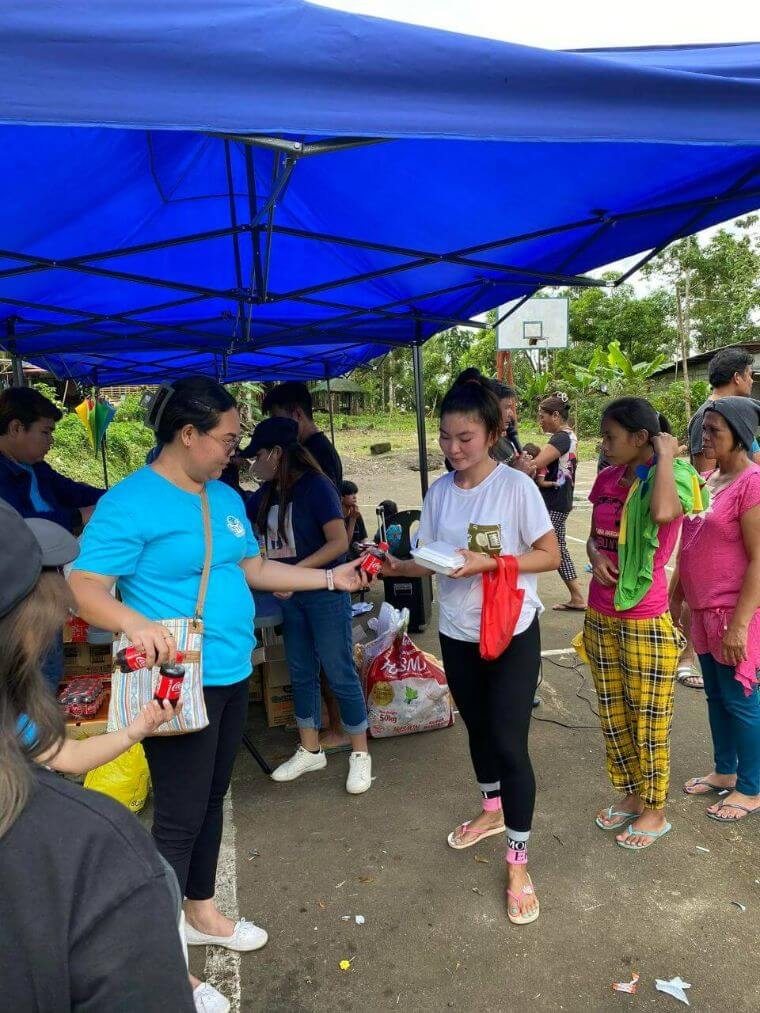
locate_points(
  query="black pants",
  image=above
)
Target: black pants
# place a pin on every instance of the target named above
(495, 700)
(191, 775)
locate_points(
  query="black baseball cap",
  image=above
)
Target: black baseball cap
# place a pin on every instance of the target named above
(26, 548)
(275, 432)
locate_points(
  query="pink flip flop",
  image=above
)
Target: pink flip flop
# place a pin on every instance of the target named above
(477, 835)
(520, 918)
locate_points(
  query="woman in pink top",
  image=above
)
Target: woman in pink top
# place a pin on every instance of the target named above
(725, 606)
(633, 653)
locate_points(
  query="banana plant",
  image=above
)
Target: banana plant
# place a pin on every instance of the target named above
(611, 366)
(632, 371)
(537, 388)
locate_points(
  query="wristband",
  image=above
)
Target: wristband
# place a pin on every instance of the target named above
(330, 580)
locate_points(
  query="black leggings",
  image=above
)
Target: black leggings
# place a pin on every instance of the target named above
(495, 700)
(191, 775)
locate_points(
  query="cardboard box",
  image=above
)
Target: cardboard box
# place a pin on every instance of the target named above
(256, 685)
(86, 659)
(278, 693)
(276, 673)
(278, 703)
(274, 649)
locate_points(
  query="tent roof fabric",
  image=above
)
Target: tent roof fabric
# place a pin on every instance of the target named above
(278, 190)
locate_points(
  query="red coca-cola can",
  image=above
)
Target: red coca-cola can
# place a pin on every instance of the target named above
(130, 659)
(372, 564)
(169, 685)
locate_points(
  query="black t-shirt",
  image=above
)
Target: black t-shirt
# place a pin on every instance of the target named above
(563, 469)
(314, 501)
(326, 456)
(86, 917)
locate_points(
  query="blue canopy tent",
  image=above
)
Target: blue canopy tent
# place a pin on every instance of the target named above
(275, 189)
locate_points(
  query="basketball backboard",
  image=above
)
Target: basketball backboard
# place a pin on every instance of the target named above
(538, 323)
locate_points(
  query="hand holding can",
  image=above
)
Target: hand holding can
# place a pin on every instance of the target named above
(372, 563)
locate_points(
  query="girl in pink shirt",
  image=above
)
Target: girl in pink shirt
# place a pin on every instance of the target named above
(719, 578)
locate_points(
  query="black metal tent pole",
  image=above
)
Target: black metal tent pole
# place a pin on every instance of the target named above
(17, 365)
(419, 404)
(330, 404)
(96, 395)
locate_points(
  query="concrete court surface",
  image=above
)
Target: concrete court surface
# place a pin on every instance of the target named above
(436, 936)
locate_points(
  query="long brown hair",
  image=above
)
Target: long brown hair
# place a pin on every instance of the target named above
(295, 461)
(26, 634)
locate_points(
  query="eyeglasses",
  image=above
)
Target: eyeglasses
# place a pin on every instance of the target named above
(229, 446)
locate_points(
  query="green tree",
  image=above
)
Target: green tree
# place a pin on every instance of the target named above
(715, 286)
(642, 325)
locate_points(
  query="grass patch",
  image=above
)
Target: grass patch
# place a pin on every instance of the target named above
(356, 433)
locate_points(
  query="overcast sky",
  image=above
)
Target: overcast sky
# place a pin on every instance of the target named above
(557, 24)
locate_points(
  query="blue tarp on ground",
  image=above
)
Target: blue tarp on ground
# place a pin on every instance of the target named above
(503, 168)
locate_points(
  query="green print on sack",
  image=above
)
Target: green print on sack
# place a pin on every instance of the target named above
(484, 538)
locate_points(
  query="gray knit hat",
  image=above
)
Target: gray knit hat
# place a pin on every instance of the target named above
(741, 413)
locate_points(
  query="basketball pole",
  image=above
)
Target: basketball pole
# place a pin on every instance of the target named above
(504, 372)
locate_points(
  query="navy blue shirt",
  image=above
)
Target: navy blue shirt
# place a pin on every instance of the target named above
(63, 496)
(314, 502)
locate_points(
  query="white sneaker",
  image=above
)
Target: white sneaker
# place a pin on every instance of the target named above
(245, 937)
(208, 1000)
(299, 763)
(359, 773)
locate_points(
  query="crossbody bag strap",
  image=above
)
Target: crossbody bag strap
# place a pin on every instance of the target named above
(199, 605)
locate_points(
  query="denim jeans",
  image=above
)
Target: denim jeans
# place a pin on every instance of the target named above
(51, 665)
(734, 723)
(317, 628)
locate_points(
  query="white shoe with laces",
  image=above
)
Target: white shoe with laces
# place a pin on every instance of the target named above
(301, 762)
(208, 1000)
(245, 937)
(359, 773)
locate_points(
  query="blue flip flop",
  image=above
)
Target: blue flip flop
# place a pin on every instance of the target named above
(654, 834)
(625, 816)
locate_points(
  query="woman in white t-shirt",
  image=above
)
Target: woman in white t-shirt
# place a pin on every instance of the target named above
(486, 509)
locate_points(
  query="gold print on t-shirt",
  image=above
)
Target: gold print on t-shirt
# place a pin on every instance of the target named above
(484, 538)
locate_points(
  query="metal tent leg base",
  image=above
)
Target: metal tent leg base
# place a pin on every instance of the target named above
(248, 743)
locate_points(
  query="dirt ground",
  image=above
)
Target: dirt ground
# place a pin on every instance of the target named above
(298, 857)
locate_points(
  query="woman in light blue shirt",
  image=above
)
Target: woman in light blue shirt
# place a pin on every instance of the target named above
(146, 537)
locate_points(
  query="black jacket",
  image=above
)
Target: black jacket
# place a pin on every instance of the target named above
(86, 917)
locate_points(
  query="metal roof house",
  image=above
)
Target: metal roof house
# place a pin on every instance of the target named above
(698, 366)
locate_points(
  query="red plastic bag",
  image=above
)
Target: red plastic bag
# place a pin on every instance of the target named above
(502, 604)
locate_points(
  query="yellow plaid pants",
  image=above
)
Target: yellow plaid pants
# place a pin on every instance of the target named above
(634, 664)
